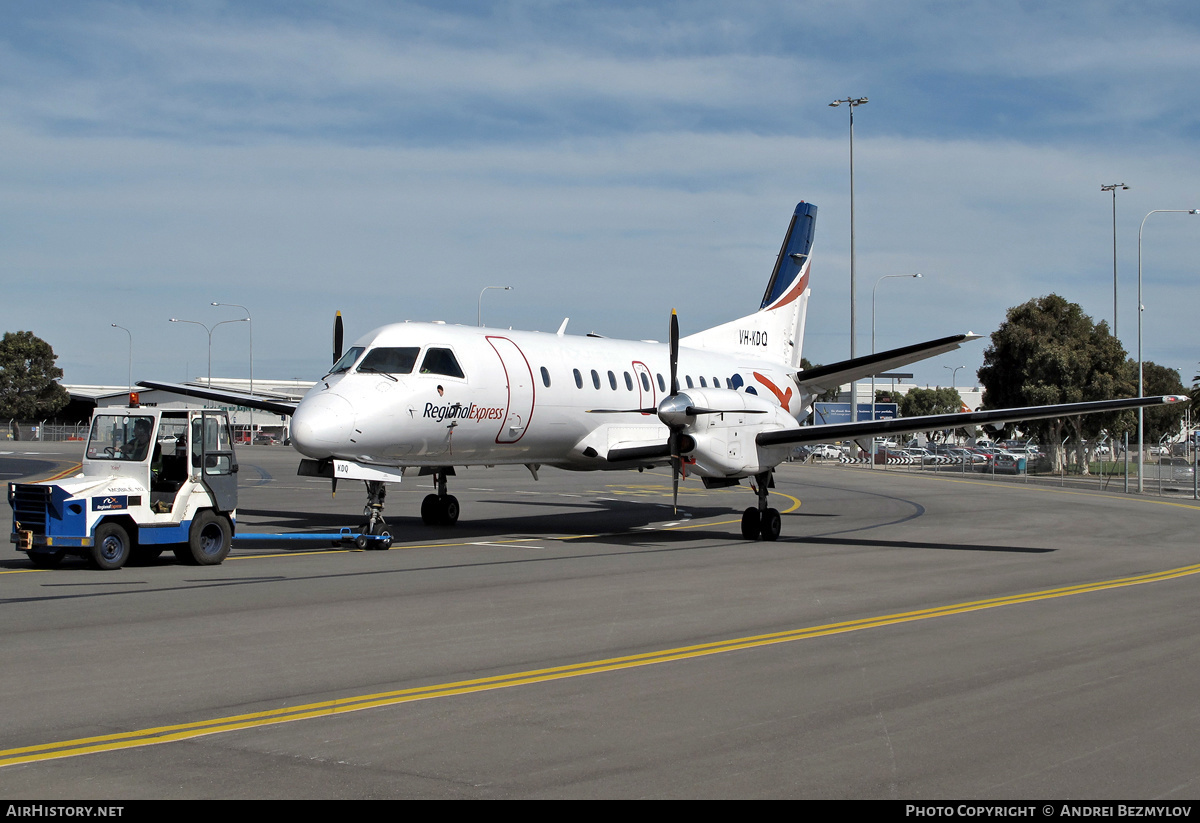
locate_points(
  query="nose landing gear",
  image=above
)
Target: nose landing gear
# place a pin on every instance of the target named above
(375, 525)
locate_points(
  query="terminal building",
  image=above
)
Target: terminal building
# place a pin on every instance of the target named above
(250, 425)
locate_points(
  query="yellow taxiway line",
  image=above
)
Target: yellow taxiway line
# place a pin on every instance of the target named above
(326, 708)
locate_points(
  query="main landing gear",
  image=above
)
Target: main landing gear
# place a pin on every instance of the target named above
(440, 509)
(762, 521)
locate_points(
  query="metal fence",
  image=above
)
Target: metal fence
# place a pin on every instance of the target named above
(42, 430)
(1163, 475)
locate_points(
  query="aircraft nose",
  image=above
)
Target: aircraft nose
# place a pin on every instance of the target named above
(322, 424)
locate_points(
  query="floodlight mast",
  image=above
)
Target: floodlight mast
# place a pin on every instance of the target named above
(852, 102)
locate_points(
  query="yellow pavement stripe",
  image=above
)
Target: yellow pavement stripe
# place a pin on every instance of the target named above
(185, 731)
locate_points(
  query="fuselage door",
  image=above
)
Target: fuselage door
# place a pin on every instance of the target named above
(519, 376)
(645, 385)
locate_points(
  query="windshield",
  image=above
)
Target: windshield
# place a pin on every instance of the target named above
(347, 360)
(120, 437)
(390, 360)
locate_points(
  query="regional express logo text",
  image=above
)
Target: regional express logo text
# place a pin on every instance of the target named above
(459, 411)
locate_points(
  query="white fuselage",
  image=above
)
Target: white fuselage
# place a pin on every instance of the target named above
(526, 397)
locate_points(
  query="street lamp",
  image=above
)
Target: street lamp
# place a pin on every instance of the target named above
(251, 331)
(877, 282)
(128, 332)
(1141, 308)
(852, 102)
(1113, 188)
(210, 331)
(479, 314)
(953, 371)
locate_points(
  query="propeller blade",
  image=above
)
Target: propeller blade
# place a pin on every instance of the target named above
(675, 461)
(333, 486)
(651, 410)
(337, 338)
(674, 353)
(694, 410)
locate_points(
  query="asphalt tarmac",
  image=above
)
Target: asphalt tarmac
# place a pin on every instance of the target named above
(910, 636)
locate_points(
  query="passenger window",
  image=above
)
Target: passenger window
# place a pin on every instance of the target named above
(645, 381)
(578, 379)
(703, 385)
(595, 378)
(688, 378)
(545, 377)
(391, 360)
(441, 361)
(628, 382)
(662, 384)
(612, 380)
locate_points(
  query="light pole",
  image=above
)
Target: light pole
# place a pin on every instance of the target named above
(128, 332)
(1141, 308)
(873, 290)
(249, 320)
(1113, 188)
(479, 314)
(210, 332)
(852, 102)
(953, 371)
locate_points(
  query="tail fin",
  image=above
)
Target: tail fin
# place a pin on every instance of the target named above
(776, 331)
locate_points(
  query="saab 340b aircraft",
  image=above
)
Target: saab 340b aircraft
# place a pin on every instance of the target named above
(722, 405)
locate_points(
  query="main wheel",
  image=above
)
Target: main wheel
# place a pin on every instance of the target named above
(750, 524)
(429, 510)
(209, 539)
(111, 547)
(45, 560)
(449, 510)
(770, 524)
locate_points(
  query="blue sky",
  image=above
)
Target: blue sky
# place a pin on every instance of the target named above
(610, 161)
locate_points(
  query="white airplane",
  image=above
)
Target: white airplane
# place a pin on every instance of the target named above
(723, 405)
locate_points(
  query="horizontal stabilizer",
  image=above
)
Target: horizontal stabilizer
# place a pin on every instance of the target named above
(824, 378)
(235, 398)
(901, 425)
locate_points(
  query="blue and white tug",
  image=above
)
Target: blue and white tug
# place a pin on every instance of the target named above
(151, 479)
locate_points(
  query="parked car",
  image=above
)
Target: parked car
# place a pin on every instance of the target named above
(824, 451)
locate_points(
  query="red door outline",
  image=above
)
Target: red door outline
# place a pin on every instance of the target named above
(522, 395)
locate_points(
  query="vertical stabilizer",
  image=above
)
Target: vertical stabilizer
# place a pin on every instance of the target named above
(776, 331)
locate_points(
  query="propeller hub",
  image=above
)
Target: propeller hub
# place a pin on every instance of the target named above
(675, 411)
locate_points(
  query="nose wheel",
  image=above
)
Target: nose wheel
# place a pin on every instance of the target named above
(375, 525)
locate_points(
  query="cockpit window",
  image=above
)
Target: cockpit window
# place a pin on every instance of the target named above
(441, 361)
(347, 360)
(391, 360)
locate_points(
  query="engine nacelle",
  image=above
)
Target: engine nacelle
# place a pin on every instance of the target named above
(725, 444)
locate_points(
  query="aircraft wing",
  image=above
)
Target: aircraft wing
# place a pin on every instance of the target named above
(900, 425)
(823, 378)
(255, 401)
